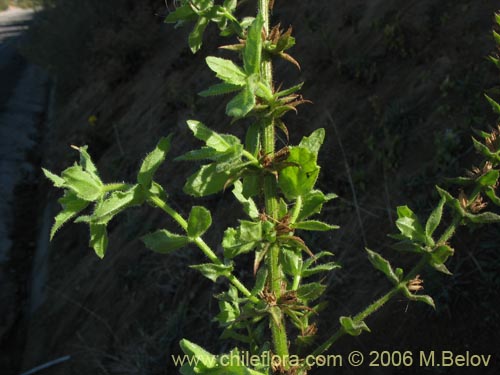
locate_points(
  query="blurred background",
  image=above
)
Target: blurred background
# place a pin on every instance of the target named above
(398, 85)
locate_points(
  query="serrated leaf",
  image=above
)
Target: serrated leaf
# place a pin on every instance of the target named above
(199, 221)
(325, 267)
(84, 184)
(489, 178)
(252, 53)
(310, 292)
(314, 225)
(439, 256)
(299, 178)
(182, 13)
(86, 160)
(206, 181)
(98, 239)
(382, 265)
(433, 221)
(484, 218)
(153, 161)
(418, 297)
(220, 89)
(248, 204)
(227, 70)
(312, 203)
(241, 104)
(353, 327)
(214, 271)
(72, 205)
(409, 225)
(196, 36)
(204, 359)
(219, 142)
(314, 141)
(291, 262)
(116, 203)
(162, 241)
(56, 180)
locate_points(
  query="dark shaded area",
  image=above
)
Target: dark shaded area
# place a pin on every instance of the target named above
(403, 83)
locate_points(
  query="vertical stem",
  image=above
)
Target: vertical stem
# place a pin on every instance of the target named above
(277, 320)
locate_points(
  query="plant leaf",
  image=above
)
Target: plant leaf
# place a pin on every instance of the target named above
(84, 184)
(314, 225)
(353, 327)
(252, 53)
(310, 292)
(382, 265)
(248, 204)
(241, 104)
(162, 241)
(206, 181)
(214, 271)
(409, 225)
(72, 205)
(418, 297)
(56, 180)
(433, 221)
(196, 36)
(220, 89)
(227, 70)
(115, 203)
(153, 161)
(198, 222)
(219, 142)
(312, 203)
(299, 178)
(98, 239)
(314, 141)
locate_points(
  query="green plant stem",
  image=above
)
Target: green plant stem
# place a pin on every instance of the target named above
(116, 186)
(202, 245)
(386, 297)
(277, 319)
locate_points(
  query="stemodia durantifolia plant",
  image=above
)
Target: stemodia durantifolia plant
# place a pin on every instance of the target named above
(275, 318)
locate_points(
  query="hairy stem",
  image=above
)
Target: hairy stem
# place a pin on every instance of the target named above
(202, 245)
(277, 319)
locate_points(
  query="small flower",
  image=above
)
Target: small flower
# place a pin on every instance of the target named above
(477, 205)
(476, 172)
(493, 140)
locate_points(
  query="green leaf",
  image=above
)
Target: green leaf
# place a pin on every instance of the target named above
(196, 36)
(495, 157)
(98, 239)
(310, 292)
(245, 238)
(418, 297)
(241, 104)
(248, 204)
(299, 179)
(153, 161)
(227, 70)
(162, 241)
(484, 218)
(182, 13)
(353, 327)
(230, 5)
(325, 267)
(433, 221)
(116, 203)
(409, 225)
(219, 142)
(214, 271)
(205, 360)
(439, 256)
(382, 265)
(72, 205)
(198, 222)
(206, 181)
(489, 178)
(252, 53)
(289, 91)
(314, 225)
(490, 192)
(84, 184)
(451, 201)
(291, 262)
(312, 203)
(56, 180)
(314, 141)
(86, 160)
(220, 89)
(493, 103)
